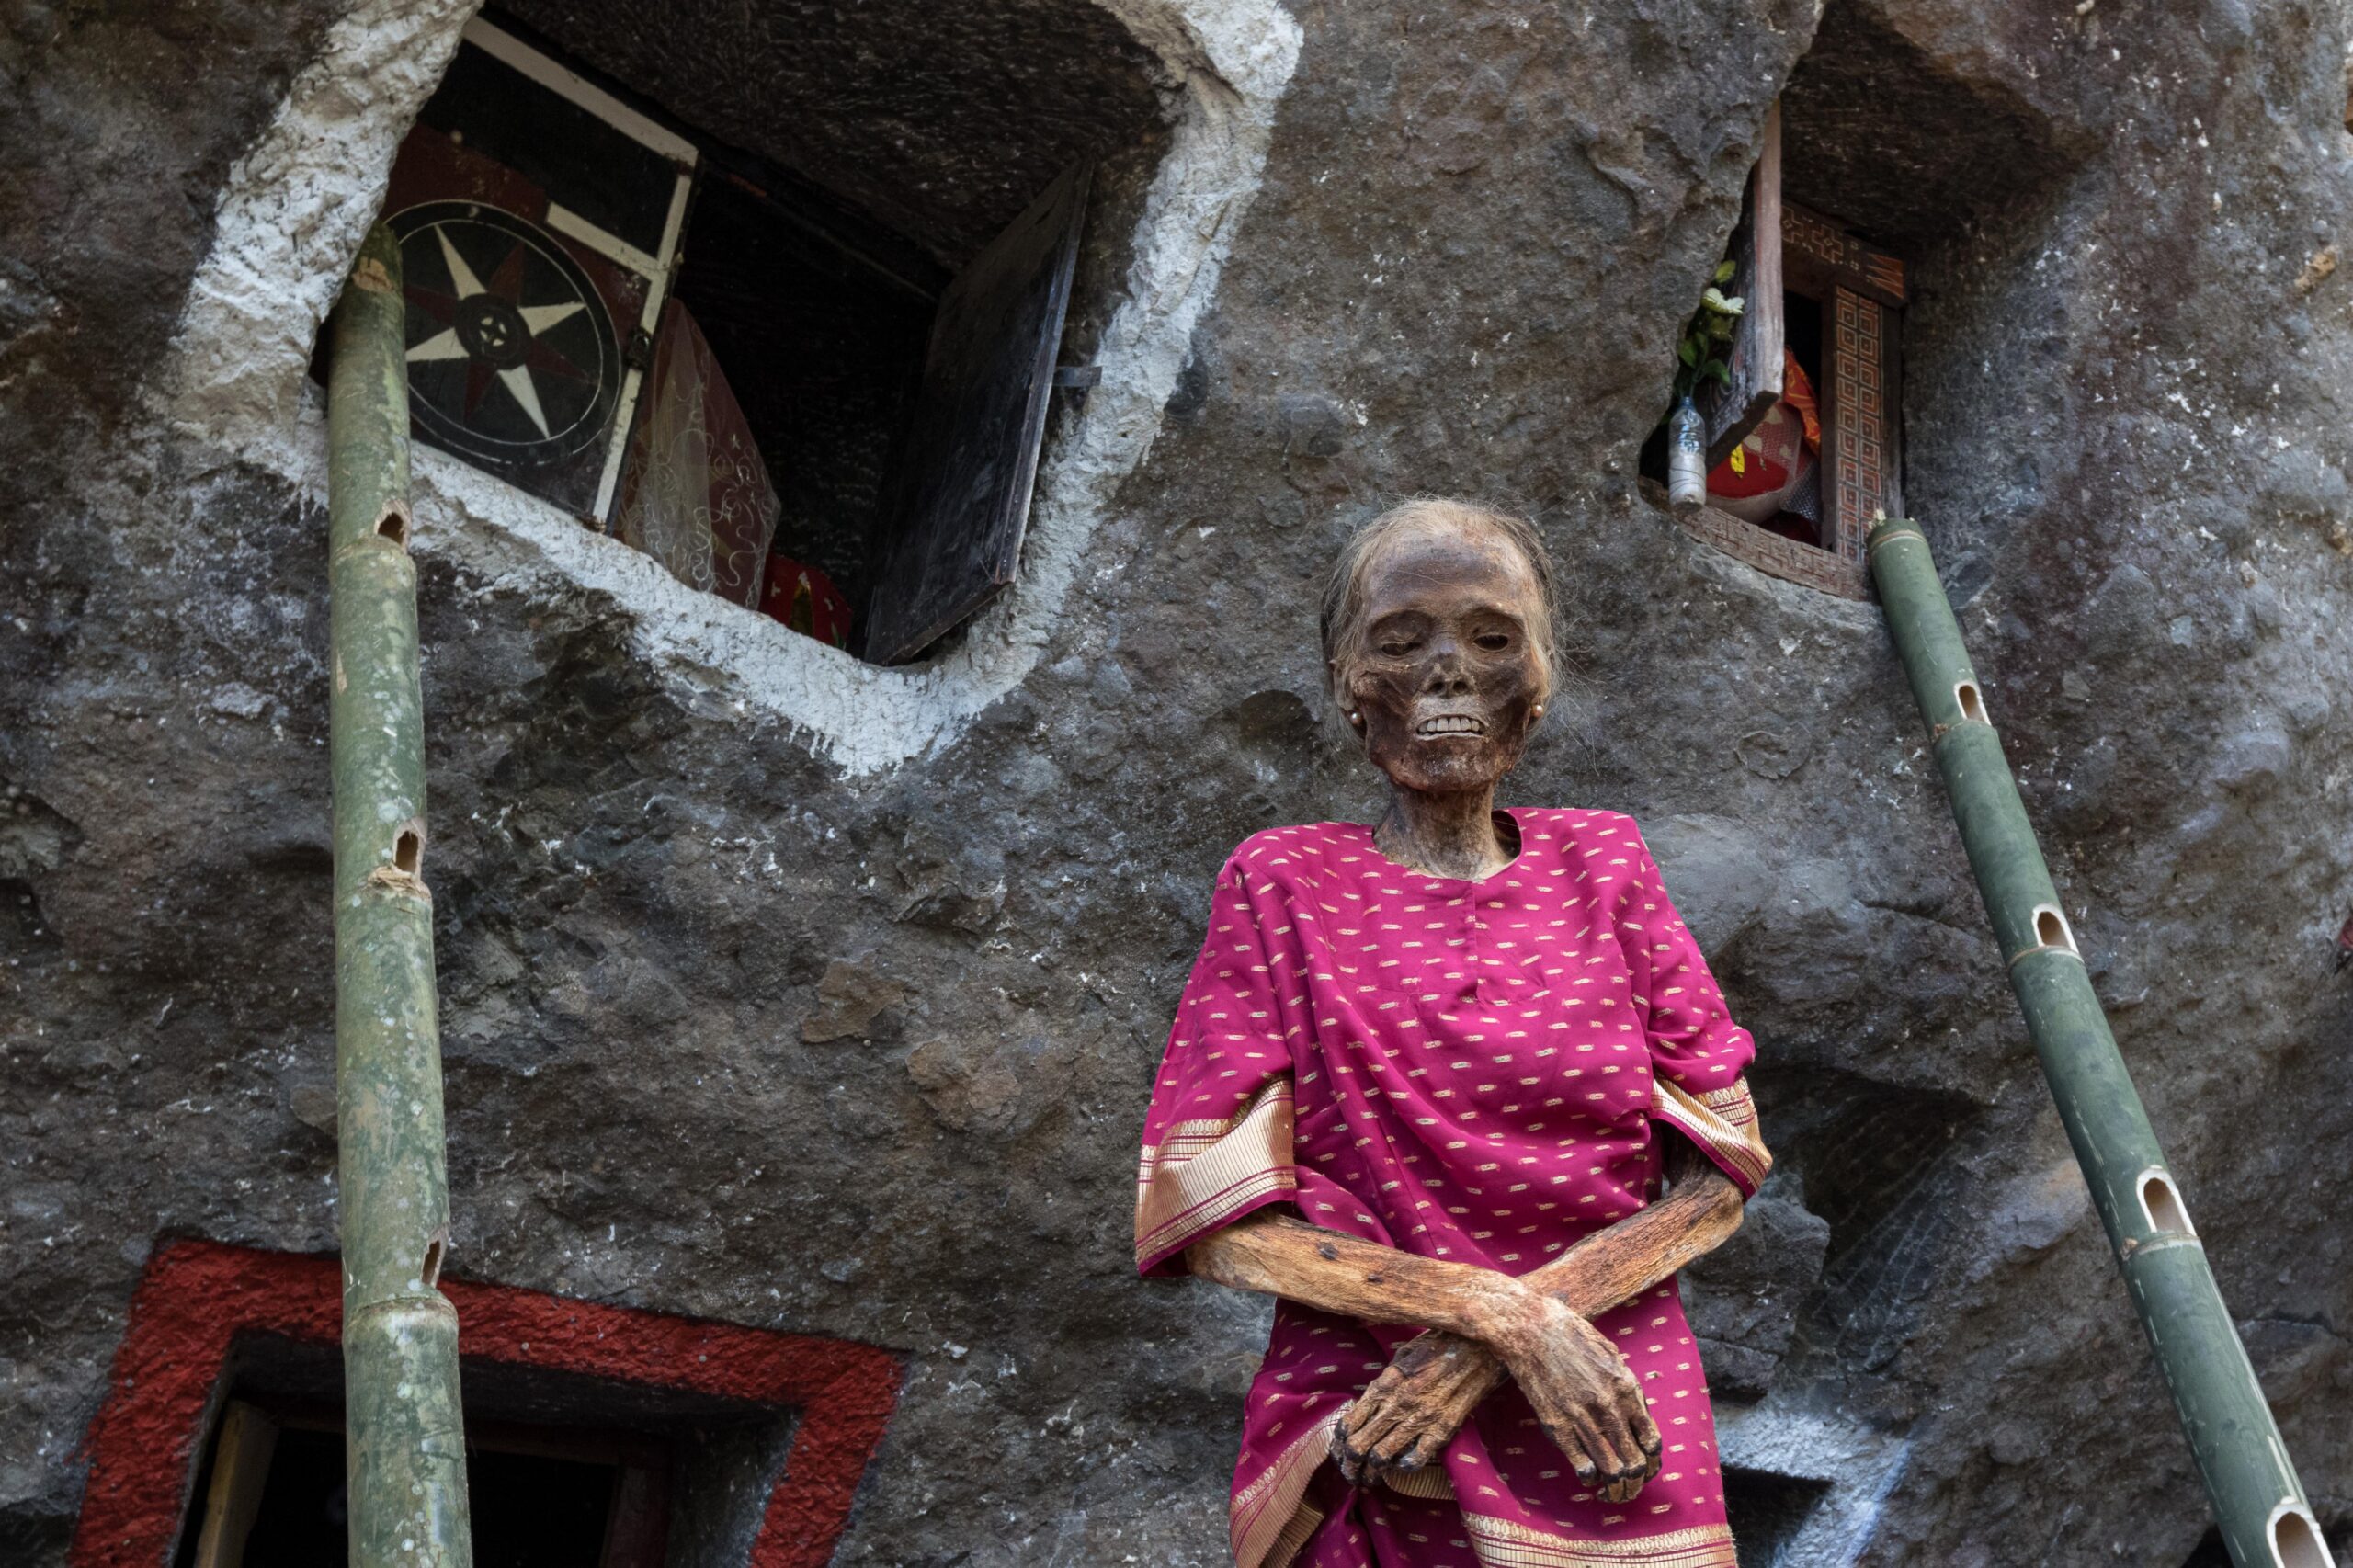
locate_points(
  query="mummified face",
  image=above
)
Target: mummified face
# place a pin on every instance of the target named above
(1446, 681)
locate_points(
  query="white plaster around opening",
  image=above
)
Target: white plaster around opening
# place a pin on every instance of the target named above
(298, 202)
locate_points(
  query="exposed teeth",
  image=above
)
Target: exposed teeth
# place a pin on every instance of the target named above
(1450, 725)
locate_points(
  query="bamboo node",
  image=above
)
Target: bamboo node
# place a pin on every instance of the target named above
(398, 880)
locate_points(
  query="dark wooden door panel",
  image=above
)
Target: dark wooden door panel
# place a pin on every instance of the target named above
(954, 539)
(1732, 412)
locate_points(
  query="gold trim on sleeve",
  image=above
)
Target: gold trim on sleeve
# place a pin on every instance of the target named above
(1203, 1173)
(1722, 1122)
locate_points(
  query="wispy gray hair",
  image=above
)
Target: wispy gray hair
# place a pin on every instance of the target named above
(1342, 620)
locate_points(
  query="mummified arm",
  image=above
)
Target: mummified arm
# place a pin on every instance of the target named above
(1434, 1381)
(1576, 1381)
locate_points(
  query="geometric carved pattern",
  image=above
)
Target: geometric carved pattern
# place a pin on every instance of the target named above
(1810, 236)
(1859, 417)
(198, 1298)
(1771, 553)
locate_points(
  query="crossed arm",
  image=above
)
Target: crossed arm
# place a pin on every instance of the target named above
(1485, 1327)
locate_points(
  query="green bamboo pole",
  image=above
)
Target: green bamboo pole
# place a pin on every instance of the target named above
(2257, 1498)
(404, 1437)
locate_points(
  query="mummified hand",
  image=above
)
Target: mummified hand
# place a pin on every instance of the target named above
(1581, 1388)
(1436, 1380)
(1420, 1399)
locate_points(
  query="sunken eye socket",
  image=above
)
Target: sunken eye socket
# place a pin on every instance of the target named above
(1494, 641)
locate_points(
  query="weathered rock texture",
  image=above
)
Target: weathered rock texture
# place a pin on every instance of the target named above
(734, 1031)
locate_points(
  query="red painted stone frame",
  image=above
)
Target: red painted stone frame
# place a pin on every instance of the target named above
(197, 1296)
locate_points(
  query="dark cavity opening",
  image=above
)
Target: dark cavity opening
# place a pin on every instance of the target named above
(393, 525)
(1767, 1512)
(408, 850)
(829, 383)
(1972, 703)
(530, 1510)
(563, 1470)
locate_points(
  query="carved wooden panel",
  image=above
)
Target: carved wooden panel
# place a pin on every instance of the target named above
(1818, 255)
(1861, 424)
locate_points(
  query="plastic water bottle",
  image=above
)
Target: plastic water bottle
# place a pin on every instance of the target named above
(1687, 458)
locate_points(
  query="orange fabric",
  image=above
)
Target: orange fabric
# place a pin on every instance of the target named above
(1798, 392)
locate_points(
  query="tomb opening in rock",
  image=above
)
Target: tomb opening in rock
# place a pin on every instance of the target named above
(1803, 427)
(272, 1495)
(564, 1469)
(777, 301)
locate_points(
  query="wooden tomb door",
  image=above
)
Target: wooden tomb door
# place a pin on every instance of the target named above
(1732, 411)
(1861, 292)
(953, 537)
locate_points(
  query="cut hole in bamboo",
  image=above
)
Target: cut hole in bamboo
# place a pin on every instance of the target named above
(393, 525)
(2160, 1206)
(431, 1272)
(1973, 704)
(408, 850)
(2296, 1540)
(2051, 930)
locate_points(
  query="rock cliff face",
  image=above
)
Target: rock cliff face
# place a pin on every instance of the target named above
(747, 1023)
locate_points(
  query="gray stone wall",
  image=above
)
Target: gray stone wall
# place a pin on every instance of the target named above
(747, 1023)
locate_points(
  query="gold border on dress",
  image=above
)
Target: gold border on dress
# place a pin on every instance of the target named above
(1500, 1543)
(1270, 1519)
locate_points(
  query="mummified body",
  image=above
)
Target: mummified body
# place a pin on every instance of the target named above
(1423, 1086)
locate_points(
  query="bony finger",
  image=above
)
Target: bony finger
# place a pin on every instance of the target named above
(1606, 1463)
(1344, 1452)
(1368, 1438)
(1643, 1429)
(1607, 1454)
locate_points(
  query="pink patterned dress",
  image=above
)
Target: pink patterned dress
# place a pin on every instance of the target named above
(1466, 1070)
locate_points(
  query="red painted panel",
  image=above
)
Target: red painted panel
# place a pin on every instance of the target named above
(196, 1296)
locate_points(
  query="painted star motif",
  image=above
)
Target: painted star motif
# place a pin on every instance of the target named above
(489, 325)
